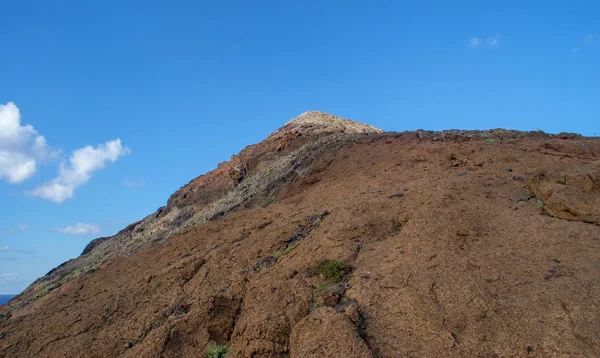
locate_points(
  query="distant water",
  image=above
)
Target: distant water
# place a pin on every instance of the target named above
(5, 298)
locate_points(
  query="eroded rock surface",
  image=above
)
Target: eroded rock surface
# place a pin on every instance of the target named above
(570, 192)
(444, 247)
(327, 333)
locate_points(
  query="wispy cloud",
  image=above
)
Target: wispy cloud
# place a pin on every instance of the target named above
(588, 41)
(133, 183)
(4, 248)
(10, 276)
(79, 229)
(16, 229)
(82, 163)
(493, 41)
(21, 146)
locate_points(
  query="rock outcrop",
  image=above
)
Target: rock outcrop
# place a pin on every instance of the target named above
(344, 241)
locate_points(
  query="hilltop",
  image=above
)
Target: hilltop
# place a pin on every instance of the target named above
(331, 238)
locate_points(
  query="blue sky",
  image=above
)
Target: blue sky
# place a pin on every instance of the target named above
(134, 99)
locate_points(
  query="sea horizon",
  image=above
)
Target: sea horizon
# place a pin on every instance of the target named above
(5, 298)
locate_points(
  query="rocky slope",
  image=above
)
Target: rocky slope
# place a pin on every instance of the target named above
(343, 241)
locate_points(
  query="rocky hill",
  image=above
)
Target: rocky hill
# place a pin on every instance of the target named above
(331, 238)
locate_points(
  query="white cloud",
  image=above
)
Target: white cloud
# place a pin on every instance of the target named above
(589, 39)
(82, 163)
(80, 229)
(475, 42)
(17, 229)
(493, 41)
(21, 146)
(132, 183)
(4, 248)
(5, 277)
(9, 278)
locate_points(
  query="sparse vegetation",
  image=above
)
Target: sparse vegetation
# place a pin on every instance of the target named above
(180, 309)
(333, 270)
(67, 278)
(216, 351)
(302, 231)
(361, 325)
(317, 217)
(43, 292)
(285, 251)
(321, 286)
(540, 204)
(270, 198)
(155, 323)
(313, 306)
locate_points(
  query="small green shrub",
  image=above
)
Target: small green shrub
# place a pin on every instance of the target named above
(313, 306)
(321, 286)
(284, 252)
(318, 217)
(216, 351)
(269, 198)
(361, 325)
(540, 204)
(333, 270)
(67, 278)
(43, 292)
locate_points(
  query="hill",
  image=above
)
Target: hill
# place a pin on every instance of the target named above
(331, 238)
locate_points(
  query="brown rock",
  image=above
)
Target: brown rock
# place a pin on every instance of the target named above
(570, 192)
(446, 269)
(326, 298)
(352, 312)
(327, 333)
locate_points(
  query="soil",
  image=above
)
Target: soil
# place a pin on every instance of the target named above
(455, 243)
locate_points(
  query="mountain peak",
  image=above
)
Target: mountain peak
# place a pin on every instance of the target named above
(317, 121)
(329, 224)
